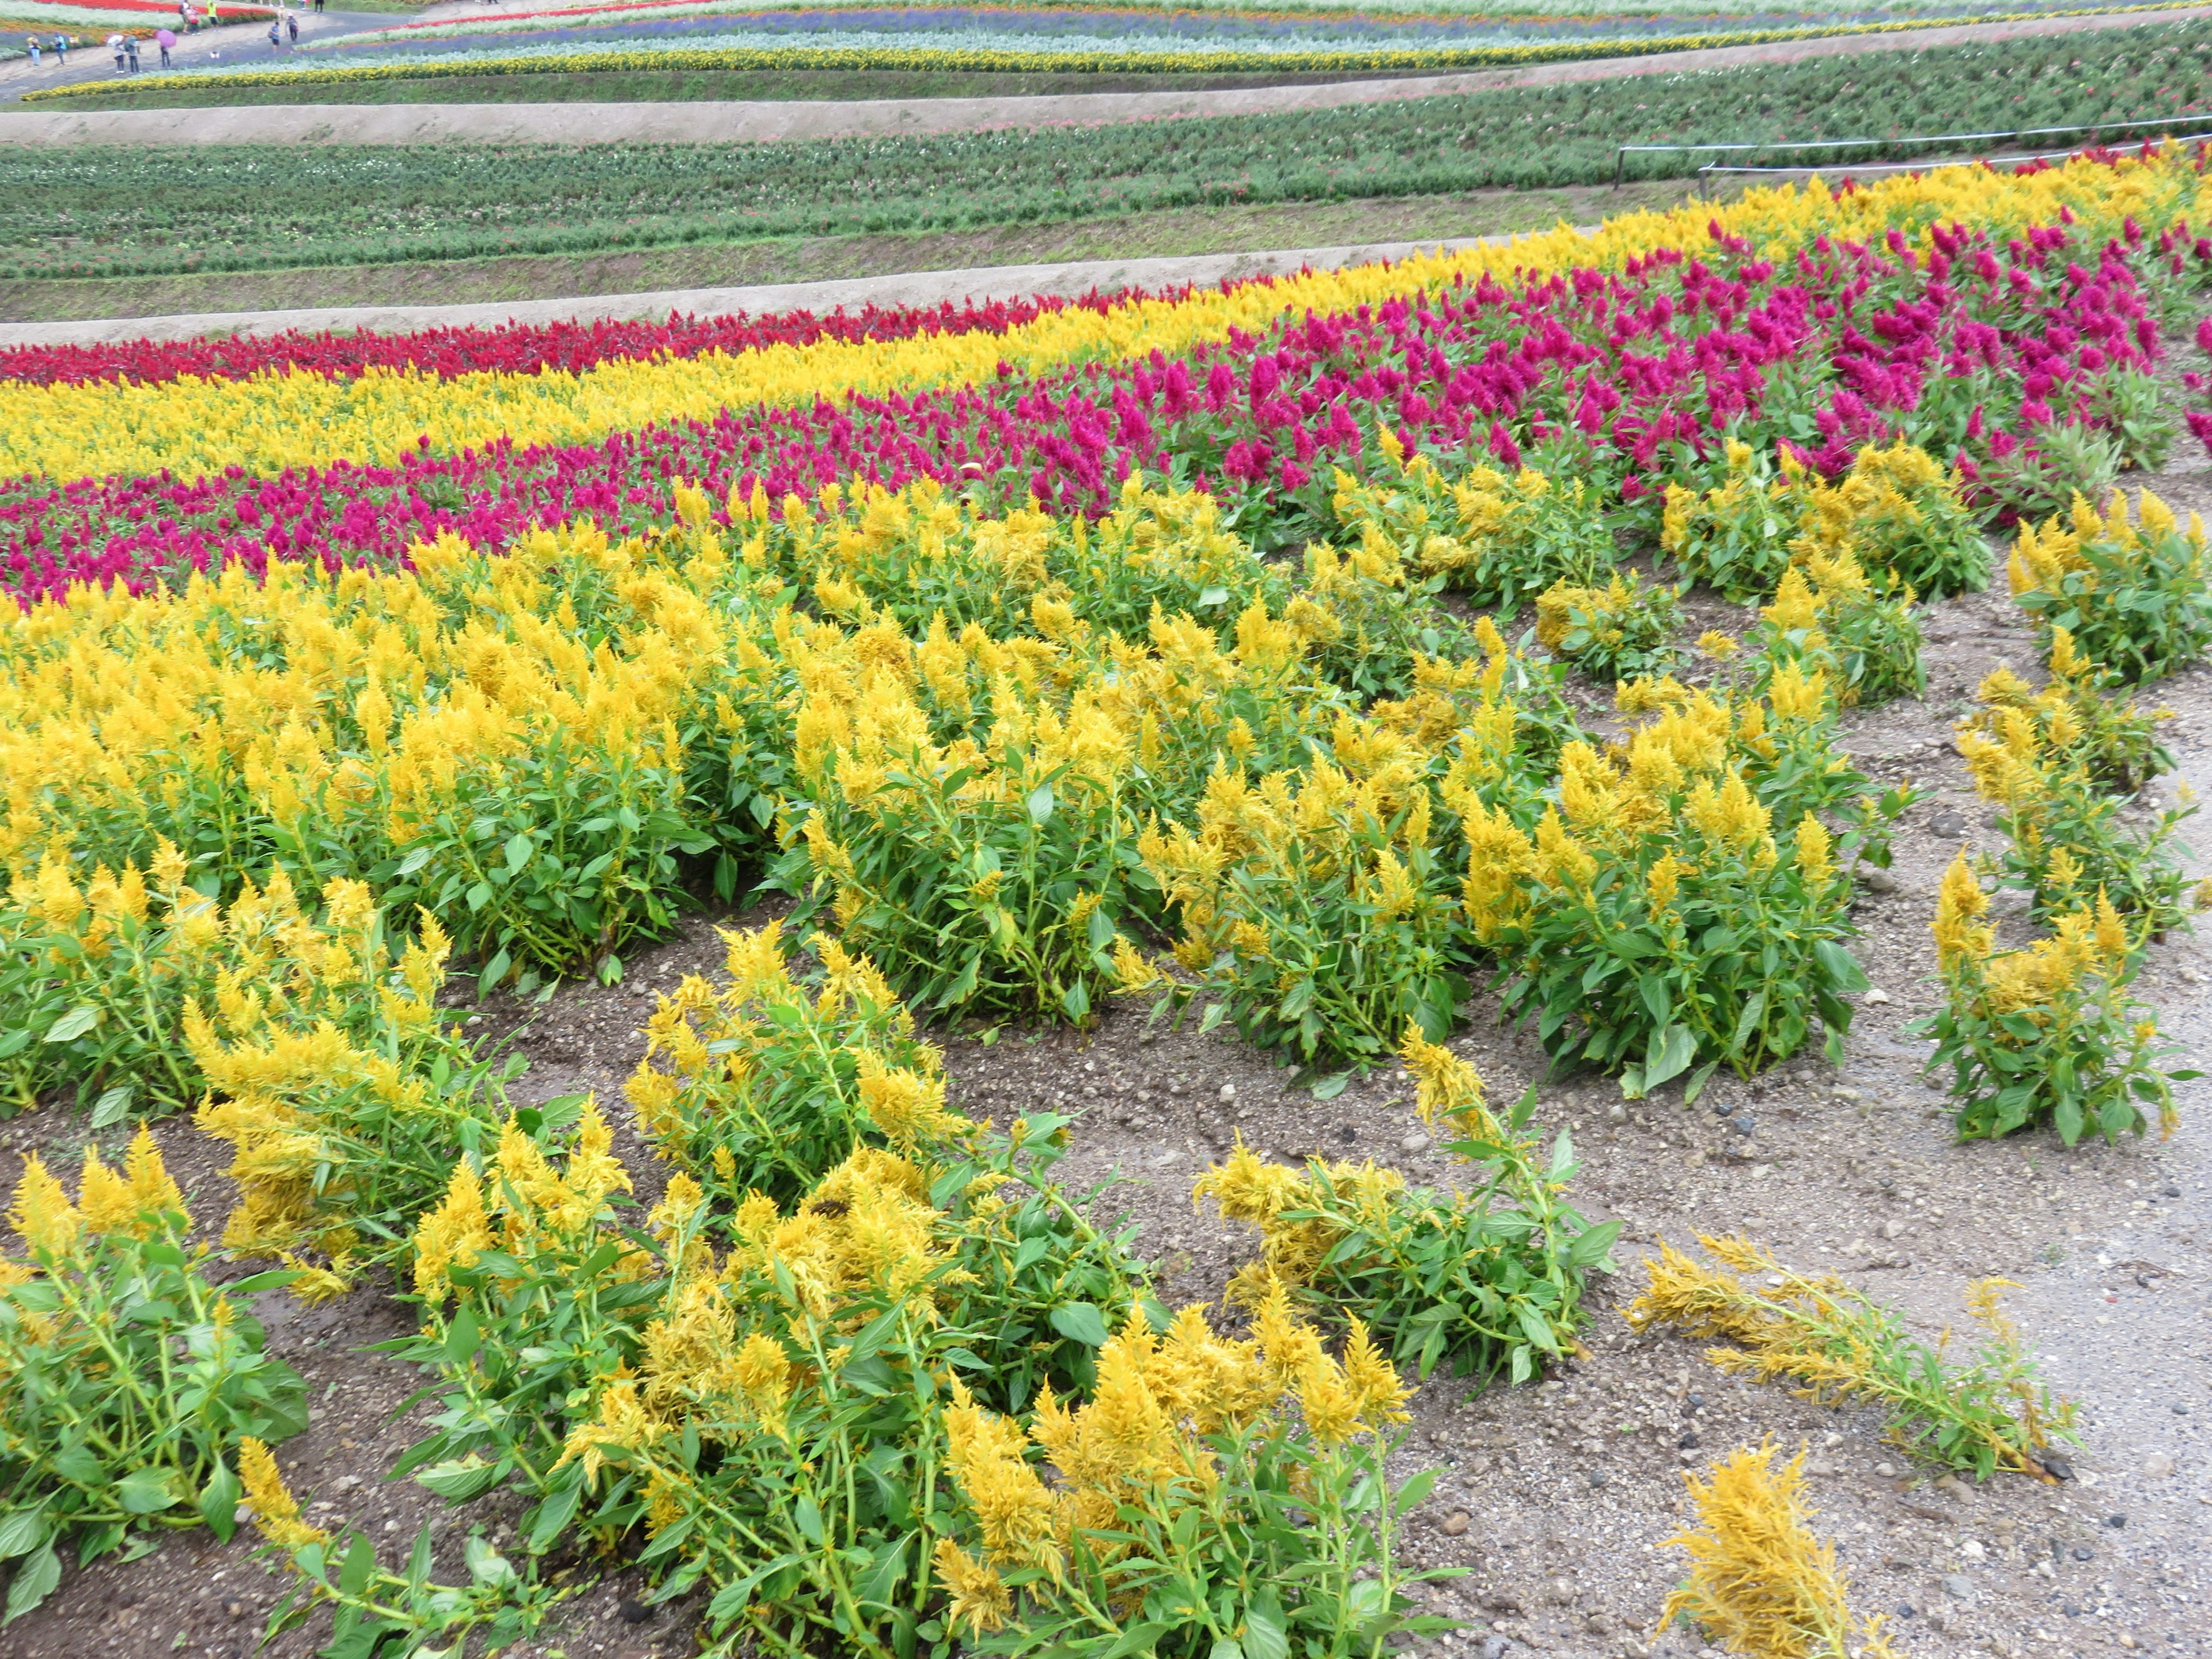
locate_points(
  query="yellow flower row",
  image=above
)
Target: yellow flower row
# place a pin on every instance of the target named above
(278, 419)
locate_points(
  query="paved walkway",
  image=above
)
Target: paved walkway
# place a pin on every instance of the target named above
(707, 123)
(233, 43)
(922, 287)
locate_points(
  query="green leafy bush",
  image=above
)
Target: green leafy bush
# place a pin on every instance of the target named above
(1484, 1281)
(1650, 926)
(2069, 841)
(1899, 513)
(1734, 538)
(2048, 1034)
(1617, 632)
(2135, 597)
(1499, 540)
(130, 1379)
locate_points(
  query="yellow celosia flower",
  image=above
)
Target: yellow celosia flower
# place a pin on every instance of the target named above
(42, 1215)
(981, 1600)
(275, 1510)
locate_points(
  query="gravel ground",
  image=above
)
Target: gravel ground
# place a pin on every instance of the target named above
(1556, 1497)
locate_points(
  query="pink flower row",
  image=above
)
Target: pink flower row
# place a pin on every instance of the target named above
(1630, 380)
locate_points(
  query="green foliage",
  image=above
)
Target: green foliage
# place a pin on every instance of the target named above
(2048, 1034)
(131, 1380)
(365, 205)
(2135, 597)
(1486, 1281)
(1865, 642)
(1617, 632)
(1499, 540)
(2130, 406)
(1332, 925)
(1988, 1412)
(378, 1613)
(1652, 927)
(2041, 475)
(1734, 537)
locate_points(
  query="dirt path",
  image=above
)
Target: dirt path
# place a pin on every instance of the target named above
(232, 43)
(921, 288)
(710, 123)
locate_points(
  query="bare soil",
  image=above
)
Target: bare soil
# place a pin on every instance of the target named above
(1556, 1497)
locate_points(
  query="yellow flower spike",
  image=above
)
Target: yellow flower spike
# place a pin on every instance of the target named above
(106, 1204)
(42, 1215)
(1761, 1582)
(1961, 934)
(451, 1236)
(1718, 646)
(275, 1510)
(981, 1600)
(988, 1456)
(1816, 857)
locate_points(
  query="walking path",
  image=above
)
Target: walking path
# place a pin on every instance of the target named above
(919, 287)
(710, 123)
(232, 43)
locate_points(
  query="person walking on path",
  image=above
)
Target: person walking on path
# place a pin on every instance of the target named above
(115, 45)
(164, 39)
(130, 50)
(61, 50)
(34, 51)
(291, 27)
(276, 36)
(318, 8)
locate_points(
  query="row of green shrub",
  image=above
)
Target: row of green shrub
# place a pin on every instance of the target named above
(88, 212)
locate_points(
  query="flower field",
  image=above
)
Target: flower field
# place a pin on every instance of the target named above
(1305, 659)
(392, 204)
(1056, 40)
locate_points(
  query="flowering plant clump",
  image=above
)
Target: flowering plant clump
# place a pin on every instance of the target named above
(2048, 1034)
(1828, 615)
(1318, 901)
(130, 1382)
(342, 1133)
(1761, 1582)
(1734, 537)
(1990, 1413)
(1500, 540)
(1620, 631)
(1212, 1494)
(1652, 923)
(1899, 512)
(2078, 720)
(2070, 843)
(1484, 1281)
(2136, 597)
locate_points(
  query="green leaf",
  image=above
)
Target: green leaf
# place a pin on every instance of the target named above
(462, 1339)
(415, 859)
(1842, 968)
(1040, 804)
(219, 1500)
(1075, 1002)
(70, 1027)
(1671, 1050)
(520, 847)
(1414, 1493)
(1267, 1633)
(1137, 1638)
(1590, 1248)
(1536, 1327)
(806, 1513)
(1329, 1087)
(359, 1563)
(145, 1491)
(1081, 1321)
(459, 1478)
(35, 1581)
(111, 1107)
(554, 1516)
(21, 1531)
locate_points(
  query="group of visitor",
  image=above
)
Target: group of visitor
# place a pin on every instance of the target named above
(284, 30)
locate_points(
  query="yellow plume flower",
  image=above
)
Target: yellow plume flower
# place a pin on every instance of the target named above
(275, 1510)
